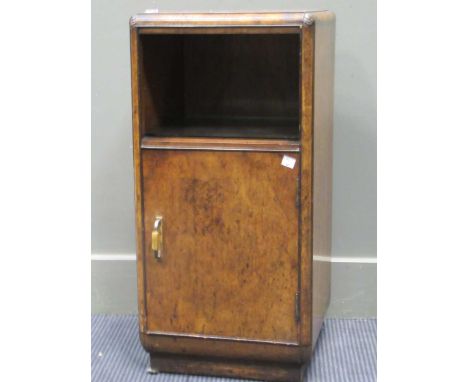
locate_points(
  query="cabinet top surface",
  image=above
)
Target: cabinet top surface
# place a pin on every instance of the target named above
(153, 18)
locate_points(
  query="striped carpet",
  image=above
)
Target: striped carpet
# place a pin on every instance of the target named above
(346, 351)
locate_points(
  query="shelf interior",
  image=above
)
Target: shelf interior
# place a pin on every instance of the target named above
(232, 86)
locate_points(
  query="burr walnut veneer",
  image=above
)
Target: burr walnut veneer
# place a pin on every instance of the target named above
(232, 140)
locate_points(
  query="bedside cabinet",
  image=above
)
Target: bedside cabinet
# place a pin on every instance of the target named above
(232, 140)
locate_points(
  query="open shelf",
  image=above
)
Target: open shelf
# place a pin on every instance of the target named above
(220, 85)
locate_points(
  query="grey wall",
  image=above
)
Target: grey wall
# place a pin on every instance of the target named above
(355, 153)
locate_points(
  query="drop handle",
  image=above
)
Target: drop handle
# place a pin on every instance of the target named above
(157, 237)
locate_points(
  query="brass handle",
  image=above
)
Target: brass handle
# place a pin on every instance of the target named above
(157, 237)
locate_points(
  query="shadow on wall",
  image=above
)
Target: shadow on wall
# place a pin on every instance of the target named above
(354, 215)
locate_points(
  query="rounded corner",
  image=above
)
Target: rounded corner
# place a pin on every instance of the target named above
(145, 342)
(132, 21)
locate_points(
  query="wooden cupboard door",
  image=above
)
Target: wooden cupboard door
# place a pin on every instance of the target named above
(229, 264)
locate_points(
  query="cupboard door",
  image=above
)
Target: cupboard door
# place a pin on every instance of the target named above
(228, 263)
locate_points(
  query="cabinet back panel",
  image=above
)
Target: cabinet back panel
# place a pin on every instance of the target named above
(230, 258)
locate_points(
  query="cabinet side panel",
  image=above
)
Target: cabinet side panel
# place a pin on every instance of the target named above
(322, 162)
(307, 49)
(135, 63)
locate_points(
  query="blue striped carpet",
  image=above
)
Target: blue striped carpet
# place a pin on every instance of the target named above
(346, 351)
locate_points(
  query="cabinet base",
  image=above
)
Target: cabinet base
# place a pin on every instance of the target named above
(279, 372)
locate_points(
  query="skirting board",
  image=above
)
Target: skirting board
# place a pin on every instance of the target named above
(353, 290)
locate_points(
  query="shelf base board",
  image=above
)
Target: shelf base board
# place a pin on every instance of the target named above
(278, 372)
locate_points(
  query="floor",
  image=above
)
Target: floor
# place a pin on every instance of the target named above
(346, 351)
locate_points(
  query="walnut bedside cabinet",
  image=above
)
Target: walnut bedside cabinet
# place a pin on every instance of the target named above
(232, 140)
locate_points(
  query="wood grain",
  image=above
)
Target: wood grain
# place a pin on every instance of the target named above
(239, 240)
(215, 19)
(322, 166)
(220, 30)
(230, 264)
(136, 113)
(220, 144)
(278, 372)
(225, 348)
(307, 48)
